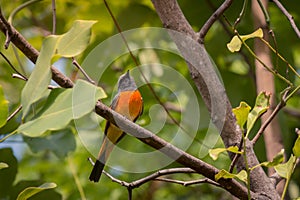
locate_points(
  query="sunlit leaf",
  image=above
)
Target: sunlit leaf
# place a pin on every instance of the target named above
(279, 158)
(296, 148)
(76, 39)
(3, 108)
(241, 113)
(37, 85)
(3, 165)
(242, 175)
(235, 44)
(214, 153)
(286, 169)
(30, 191)
(262, 104)
(69, 104)
(69, 44)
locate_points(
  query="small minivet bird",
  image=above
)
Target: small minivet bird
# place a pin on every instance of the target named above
(129, 103)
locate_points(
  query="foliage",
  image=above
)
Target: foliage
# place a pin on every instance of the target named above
(48, 150)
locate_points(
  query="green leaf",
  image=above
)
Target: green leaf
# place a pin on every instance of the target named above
(54, 142)
(286, 169)
(69, 44)
(84, 98)
(30, 191)
(3, 165)
(76, 39)
(69, 104)
(37, 85)
(3, 108)
(214, 153)
(241, 113)
(296, 148)
(242, 175)
(279, 158)
(262, 104)
(235, 44)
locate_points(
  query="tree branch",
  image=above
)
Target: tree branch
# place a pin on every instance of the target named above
(168, 149)
(212, 91)
(215, 16)
(31, 53)
(289, 17)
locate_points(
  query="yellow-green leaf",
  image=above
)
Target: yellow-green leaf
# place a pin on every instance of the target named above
(3, 165)
(286, 169)
(37, 85)
(3, 108)
(262, 104)
(30, 191)
(296, 148)
(279, 158)
(76, 39)
(214, 153)
(241, 113)
(242, 175)
(235, 44)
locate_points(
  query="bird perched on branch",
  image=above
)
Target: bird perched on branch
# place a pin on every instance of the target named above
(129, 103)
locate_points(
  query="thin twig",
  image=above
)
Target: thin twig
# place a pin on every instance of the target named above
(215, 16)
(265, 12)
(9, 31)
(18, 76)
(279, 106)
(280, 56)
(241, 15)
(74, 62)
(14, 113)
(76, 178)
(139, 182)
(53, 17)
(289, 16)
(226, 24)
(188, 183)
(12, 66)
(236, 156)
(275, 73)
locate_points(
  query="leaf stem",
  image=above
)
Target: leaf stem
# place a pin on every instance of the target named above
(8, 135)
(75, 176)
(288, 179)
(246, 165)
(281, 57)
(275, 73)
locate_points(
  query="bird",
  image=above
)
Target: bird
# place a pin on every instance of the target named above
(127, 102)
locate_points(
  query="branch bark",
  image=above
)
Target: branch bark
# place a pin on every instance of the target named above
(212, 91)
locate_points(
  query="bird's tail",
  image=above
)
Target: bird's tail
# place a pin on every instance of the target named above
(97, 171)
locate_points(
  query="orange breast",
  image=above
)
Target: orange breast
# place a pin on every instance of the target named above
(130, 104)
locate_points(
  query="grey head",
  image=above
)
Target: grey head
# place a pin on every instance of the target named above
(126, 83)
